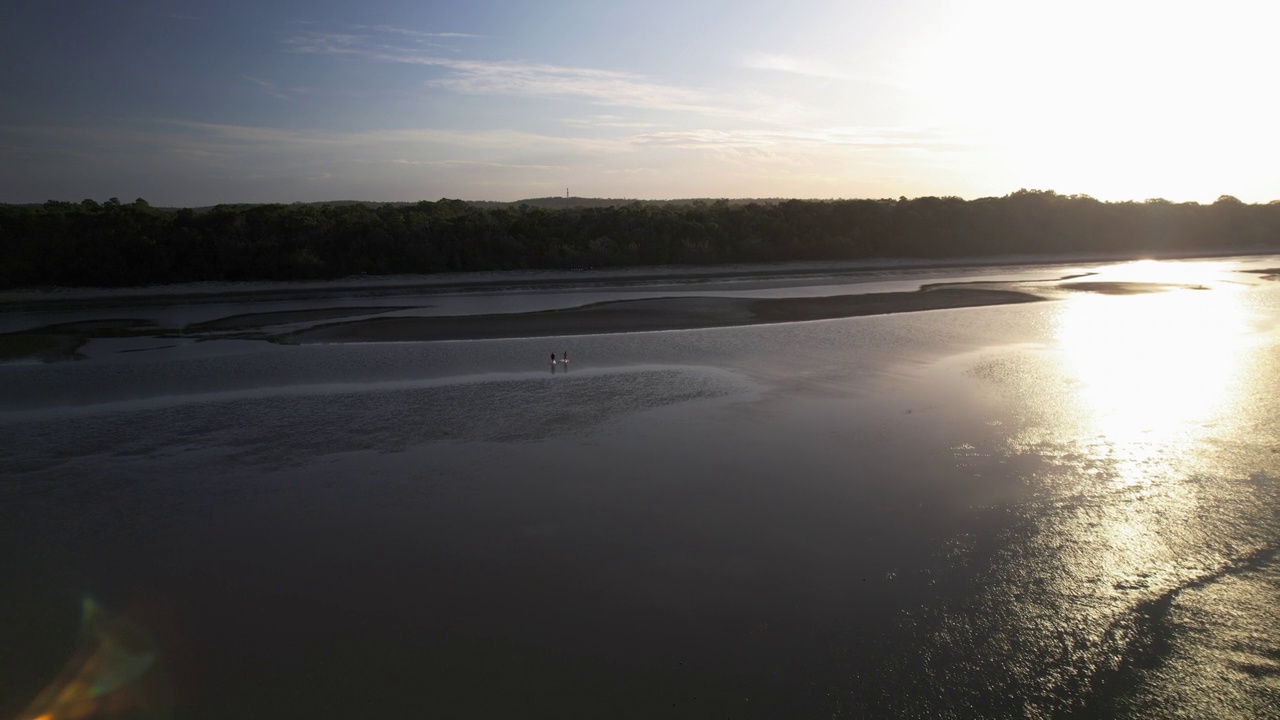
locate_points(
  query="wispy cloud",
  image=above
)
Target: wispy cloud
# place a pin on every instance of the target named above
(812, 67)
(375, 145)
(601, 86)
(443, 147)
(267, 86)
(845, 137)
(476, 163)
(426, 36)
(505, 77)
(607, 121)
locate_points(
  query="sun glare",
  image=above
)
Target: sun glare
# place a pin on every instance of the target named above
(1152, 370)
(1196, 274)
(1120, 100)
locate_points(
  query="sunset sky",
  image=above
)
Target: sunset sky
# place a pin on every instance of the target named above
(196, 103)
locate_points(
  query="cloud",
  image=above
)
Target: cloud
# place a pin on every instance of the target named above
(845, 137)
(599, 86)
(811, 67)
(476, 163)
(506, 77)
(705, 139)
(267, 86)
(229, 147)
(606, 121)
(393, 30)
(377, 143)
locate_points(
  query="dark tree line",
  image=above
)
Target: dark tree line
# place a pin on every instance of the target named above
(119, 244)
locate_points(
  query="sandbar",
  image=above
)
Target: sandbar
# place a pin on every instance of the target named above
(673, 313)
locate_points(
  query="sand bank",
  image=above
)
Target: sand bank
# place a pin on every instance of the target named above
(63, 341)
(677, 313)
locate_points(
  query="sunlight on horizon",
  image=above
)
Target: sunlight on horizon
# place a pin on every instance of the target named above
(1117, 100)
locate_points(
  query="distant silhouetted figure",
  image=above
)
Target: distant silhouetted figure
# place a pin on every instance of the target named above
(553, 363)
(565, 361)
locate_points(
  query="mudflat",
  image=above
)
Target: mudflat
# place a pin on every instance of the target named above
(674, 313)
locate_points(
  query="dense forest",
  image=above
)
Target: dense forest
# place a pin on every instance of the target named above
(119, 244)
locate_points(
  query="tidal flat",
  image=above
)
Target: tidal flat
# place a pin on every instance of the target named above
(1061, 507)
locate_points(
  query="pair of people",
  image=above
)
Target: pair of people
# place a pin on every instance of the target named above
(563, 361)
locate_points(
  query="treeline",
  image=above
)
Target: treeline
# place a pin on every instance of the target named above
(120, 244)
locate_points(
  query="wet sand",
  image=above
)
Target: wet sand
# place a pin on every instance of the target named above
(678, 313)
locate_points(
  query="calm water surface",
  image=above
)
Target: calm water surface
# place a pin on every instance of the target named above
(1055, 509)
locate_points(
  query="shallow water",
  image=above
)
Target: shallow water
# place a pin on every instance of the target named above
(1039, 510)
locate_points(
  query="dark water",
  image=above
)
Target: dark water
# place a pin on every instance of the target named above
(1069, 509)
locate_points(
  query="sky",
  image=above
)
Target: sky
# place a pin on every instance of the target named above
(193, 103)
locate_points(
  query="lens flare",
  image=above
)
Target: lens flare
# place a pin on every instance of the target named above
(115, 673)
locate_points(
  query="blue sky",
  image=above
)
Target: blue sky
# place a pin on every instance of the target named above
(195, 103)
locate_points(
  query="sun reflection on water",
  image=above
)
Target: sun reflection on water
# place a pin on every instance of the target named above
(1154, 378)
(1141, 432)
(1152, 371)
(1203, 273)
(1133, 428)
